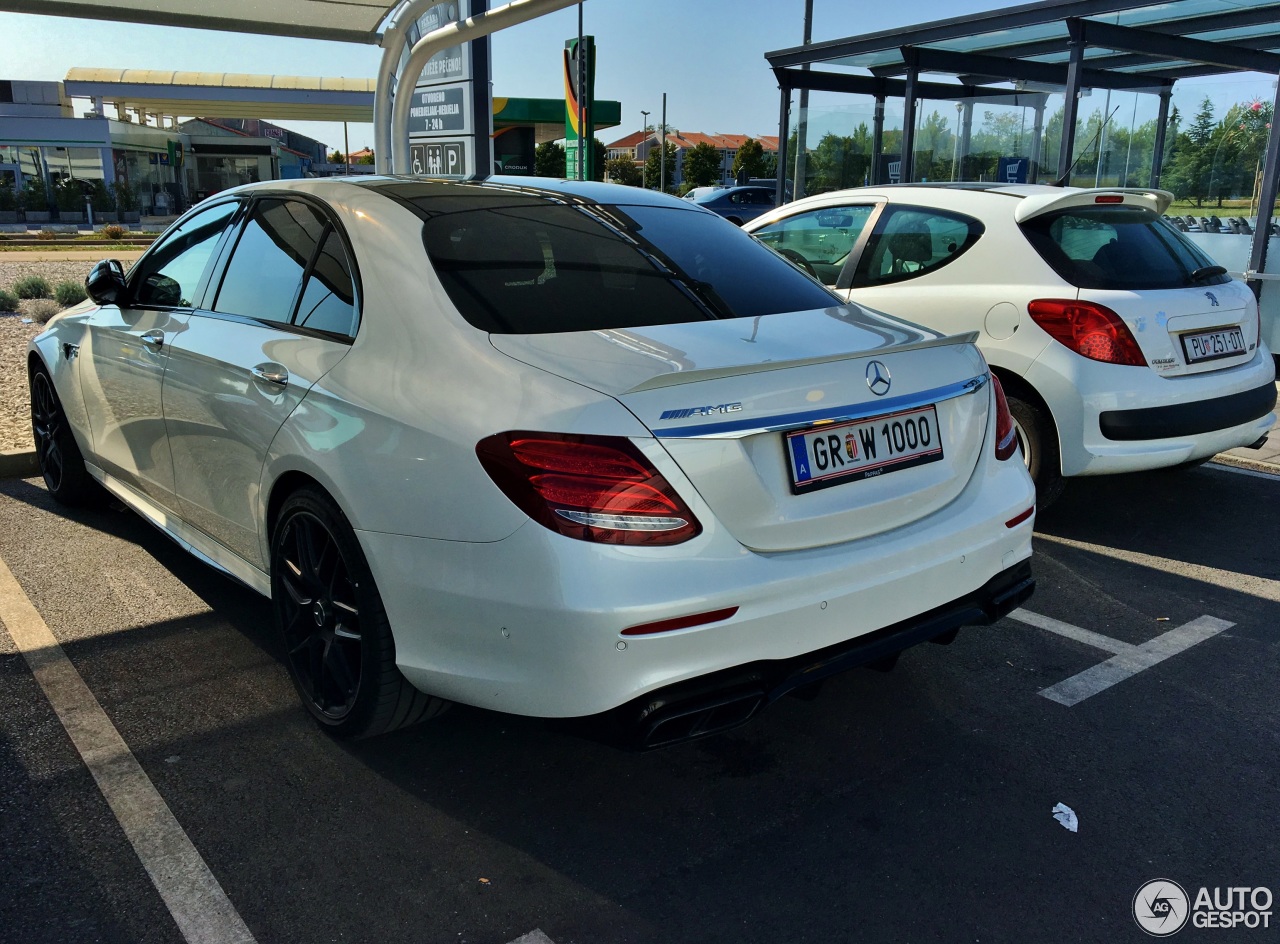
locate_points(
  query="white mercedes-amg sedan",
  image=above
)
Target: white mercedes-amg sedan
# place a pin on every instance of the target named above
(557, 449)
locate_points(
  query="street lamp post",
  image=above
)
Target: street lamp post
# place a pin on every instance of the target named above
(644, 165)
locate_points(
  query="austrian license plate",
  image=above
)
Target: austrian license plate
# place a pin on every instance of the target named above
(822, 456)
(1210, 345)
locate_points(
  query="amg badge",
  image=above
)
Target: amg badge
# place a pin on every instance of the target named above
(701, 411)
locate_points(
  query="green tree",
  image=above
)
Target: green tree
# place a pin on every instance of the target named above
(34, 196)
(623, 170)
(1192, 165)
(836, 163)
(366, 159)
(749, 159)
(337, 157)
(702, 165)
(548, 160)
(8, 199)
(601, 156)
(651, 168)
(1238, 146)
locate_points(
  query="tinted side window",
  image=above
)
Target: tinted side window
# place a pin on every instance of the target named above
(1117, 247)
(265, 273)
(822, 238)
(910, 241)
(329, 297)
(172, 272)
(526, 265)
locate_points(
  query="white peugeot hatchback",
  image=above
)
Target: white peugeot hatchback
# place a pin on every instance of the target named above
(548, 448)
(1120, 344)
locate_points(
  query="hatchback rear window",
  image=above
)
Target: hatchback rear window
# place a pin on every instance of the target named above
(523, 264)
(1117, 247)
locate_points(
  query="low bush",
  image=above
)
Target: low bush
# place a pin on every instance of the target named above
(44, 309)
(8, 301)
(32, 286)
(112, 232)
(68, 293)
(46, 235)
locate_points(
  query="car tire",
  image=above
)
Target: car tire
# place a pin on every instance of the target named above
(337, 638)
(1039, 444)
(57, 453)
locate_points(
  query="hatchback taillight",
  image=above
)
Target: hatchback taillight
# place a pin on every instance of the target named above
(1006, 435)
(594, 488)
(1091, 330)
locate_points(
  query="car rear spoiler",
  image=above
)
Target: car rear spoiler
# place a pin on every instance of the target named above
(1038, 205)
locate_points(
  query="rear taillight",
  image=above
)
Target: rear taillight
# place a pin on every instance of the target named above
(1091, 330)
(594, 488)
(1006, 435)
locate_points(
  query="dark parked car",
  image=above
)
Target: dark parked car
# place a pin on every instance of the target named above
(736, 204)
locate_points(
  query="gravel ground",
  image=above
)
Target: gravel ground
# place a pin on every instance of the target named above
(15, 415)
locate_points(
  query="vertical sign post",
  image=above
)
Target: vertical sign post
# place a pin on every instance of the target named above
(451, 118)
(580, 73)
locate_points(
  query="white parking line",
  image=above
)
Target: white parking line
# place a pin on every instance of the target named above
(1261, 587)
(193, 896)
(1128, 660)
(1223, 467)
(533, 937)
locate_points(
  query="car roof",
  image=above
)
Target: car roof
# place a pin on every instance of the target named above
(1020, 200)
(589, 191)
(406, 188)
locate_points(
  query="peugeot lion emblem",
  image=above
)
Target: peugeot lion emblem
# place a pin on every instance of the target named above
(1212, 298)
(878, 378)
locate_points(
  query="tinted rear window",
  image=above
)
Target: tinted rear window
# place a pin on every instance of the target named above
(1116, 247)
(517, 264)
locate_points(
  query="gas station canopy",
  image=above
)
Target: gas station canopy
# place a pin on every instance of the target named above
(351, 21)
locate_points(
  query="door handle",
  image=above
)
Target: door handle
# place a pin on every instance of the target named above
(273, 374)
(153, 340)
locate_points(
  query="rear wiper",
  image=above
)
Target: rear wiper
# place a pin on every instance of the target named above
(1206, 272)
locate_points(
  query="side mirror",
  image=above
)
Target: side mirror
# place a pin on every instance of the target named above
(105, 282)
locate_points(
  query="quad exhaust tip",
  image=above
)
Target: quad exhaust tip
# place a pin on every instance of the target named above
(687, 721)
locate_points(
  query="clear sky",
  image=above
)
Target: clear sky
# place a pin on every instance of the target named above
(707, 55)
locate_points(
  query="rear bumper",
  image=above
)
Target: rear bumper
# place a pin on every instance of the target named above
(726, 699)
(1115, 419)
(533, 624)
(1188, 419)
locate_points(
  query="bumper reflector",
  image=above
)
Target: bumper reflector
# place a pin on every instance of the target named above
(1018, 519)
(680, 622)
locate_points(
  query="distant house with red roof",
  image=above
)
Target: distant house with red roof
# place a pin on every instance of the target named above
(636, 147)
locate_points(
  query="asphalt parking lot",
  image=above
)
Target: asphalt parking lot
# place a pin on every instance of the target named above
(1138, 688)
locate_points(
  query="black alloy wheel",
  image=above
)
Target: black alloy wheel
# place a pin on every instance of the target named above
(337, 639)
(60, 461)
(322, 628)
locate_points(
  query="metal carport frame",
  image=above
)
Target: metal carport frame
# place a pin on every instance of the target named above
(1143, 45)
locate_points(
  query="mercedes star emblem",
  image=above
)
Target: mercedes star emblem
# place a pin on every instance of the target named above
(878, 378)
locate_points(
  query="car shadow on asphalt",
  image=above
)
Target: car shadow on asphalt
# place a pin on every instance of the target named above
(1202, 516)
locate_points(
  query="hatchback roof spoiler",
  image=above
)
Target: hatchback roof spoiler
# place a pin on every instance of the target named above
(1145, 197)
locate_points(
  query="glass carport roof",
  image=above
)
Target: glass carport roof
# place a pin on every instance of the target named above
(1039, 32)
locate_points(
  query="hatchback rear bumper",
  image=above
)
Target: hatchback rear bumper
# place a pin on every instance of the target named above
(1188, 419)
(1114, 419)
